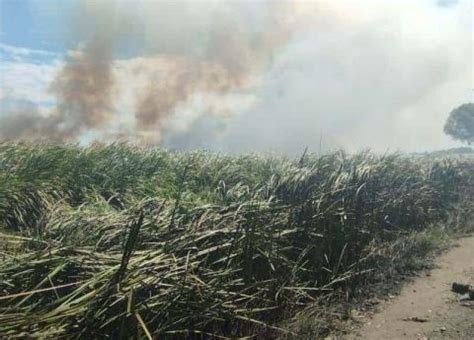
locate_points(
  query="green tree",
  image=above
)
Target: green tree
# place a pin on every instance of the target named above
(460, 123)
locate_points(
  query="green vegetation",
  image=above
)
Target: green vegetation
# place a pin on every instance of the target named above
(460, 123)
(126, 242)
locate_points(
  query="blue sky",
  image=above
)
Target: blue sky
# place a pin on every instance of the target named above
(35, 24)
(446, 3)
(32, 43)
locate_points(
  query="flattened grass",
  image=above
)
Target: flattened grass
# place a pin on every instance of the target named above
(125, 242)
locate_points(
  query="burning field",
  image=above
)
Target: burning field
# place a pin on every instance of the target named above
(152, 180)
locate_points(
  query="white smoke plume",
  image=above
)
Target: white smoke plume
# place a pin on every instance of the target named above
(262, 75)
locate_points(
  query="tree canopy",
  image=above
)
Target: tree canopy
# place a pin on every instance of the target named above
(460, 123)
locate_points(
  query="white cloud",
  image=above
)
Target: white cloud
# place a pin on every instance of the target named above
(25, 74)
(21, 51)
(27, 81)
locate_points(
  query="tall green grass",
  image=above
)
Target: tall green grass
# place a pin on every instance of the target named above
(125, 242)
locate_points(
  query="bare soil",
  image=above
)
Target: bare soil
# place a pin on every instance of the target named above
(426, 308)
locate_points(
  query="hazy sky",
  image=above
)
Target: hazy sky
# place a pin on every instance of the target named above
(236, 75)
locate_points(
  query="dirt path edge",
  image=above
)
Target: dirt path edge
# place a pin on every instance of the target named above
(426, 308)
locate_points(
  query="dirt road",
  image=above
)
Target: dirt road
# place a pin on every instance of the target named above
(426, 308)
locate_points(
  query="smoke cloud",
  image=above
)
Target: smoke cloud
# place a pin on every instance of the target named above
(24, 122)
(227, 56)
(182, 80)
(84, 90)
(265, 75)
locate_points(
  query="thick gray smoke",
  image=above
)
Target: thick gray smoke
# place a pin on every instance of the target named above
(259, 75)
(22, 122)
(361, 74)
(228, 49)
